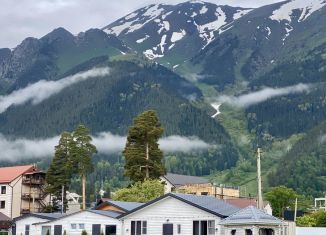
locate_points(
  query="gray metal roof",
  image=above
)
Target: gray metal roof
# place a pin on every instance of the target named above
(251, 215)
(179, 180)
(208, 203)
(111, 214)
(3, 217)
(126, 206)
(48, 216)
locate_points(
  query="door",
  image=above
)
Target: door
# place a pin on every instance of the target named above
(57, 229)
(96, 229)
(167, 229)
(110, 230)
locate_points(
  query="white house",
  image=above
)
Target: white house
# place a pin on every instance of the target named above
(177, 214)
(93, 221)
(25, 224)
(252, 221)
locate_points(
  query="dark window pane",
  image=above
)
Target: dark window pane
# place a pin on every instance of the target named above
(203, 227)
(138, 228)
(133, 228)
(195, 228)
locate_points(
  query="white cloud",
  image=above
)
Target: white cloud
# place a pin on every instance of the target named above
(177, 143)
(263, 95)
(106, 143)
(30, 18)
(42, 90)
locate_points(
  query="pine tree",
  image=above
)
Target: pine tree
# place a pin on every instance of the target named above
(60, 171)
(82, 151)
(142, 153)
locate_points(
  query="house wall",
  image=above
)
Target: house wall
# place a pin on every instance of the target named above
(86, 218)
(7, 198)
(169, 210)
(12, 198)
(198, 189)
(30, 220)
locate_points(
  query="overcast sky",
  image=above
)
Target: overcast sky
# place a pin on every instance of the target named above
(34, 18)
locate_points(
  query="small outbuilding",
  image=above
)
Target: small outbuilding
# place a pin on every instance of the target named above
(252, 221)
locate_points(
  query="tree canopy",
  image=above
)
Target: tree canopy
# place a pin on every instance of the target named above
(280, 198)
(141, 191)
(142, 153)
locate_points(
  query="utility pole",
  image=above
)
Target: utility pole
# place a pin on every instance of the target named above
(260, 196)
(295, 209)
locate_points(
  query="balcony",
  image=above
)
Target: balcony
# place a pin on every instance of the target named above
(33, 181)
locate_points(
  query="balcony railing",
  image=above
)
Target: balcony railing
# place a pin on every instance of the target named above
(33, 181)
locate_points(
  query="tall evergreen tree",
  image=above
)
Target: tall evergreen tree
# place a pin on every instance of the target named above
(142, 153)
(82, 151)
(60, 171)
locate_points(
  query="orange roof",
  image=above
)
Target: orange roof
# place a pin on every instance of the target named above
(242, 202)
(8, 174)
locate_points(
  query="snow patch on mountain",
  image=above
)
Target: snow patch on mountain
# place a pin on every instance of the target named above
(203, 10)
(177, 36)
(307, 7)
(142, 39)
(241, 13)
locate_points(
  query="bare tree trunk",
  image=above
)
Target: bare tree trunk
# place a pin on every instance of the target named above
(84, 191)
(147, 158)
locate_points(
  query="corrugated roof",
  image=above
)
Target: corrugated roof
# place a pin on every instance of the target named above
(179, 180)
(251, 215)
(111, 214)
(209, 203)
(48, 216)
(8, 174)
(126, 206)
(3, 217)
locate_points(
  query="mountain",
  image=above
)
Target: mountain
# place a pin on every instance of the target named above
(51, 56)
(302, 167)
(261, 40)
(172, 34)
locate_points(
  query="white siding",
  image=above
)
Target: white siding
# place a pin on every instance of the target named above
(85, 217)
(20, 225)
(7, 198)
(169, 210)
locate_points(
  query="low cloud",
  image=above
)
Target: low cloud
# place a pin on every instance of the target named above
(42, 90)
(322, 139)
(177, 143)
(257, 97)
(106, 143)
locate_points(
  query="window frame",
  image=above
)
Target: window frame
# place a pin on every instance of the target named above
(3, 189)
(73, 226)
(203, 227)
(3, 204)
(134, 227)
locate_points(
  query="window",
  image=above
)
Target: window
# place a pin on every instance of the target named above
(81, 226)
(2, 204)
(73, 226)
(200, 228)
(211, 227)
(3, 189)
(144, 228)
(138, 227)
(204, 193)
(233, 232)
(27, 229)
(179, 228)
(266, 231)
(248, 232)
